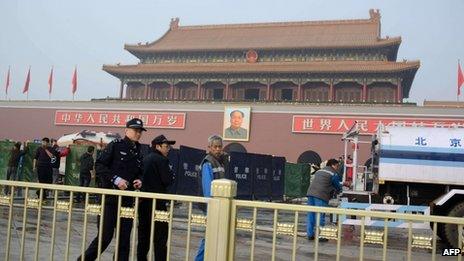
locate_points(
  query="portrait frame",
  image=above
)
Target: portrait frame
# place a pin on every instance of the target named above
(241, 134)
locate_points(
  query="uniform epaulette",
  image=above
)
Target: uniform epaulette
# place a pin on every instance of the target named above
(117, 140)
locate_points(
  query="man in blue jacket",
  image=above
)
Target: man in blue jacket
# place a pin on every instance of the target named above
(212, 167)
(326, 181)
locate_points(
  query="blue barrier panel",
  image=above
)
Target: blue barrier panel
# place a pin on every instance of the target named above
(189, 167)
(278, 176)
(240, 171)
(261, 166)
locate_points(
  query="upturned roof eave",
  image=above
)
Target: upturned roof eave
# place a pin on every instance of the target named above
(138, 50)
(118, 70)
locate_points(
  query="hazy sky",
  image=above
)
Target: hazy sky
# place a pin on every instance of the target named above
(90, 33)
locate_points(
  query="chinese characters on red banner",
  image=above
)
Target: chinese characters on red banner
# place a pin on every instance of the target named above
(367, 125)
(157, 120)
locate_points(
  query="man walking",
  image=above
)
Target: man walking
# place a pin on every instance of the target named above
(58, 153)
(15, 155)
(212, 167)
(43, 165)
(325, 182)
(120, 168)
(85, 171)
(157, 177)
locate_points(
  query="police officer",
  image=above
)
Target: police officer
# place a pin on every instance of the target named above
(120, 167)
(157, 177)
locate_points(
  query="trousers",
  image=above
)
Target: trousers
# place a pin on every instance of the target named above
(311, 217)
(11, 174)
(160, 236)
(109, 224)
(84, 181)
(45, 175)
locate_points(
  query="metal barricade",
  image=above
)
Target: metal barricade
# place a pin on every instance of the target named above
(233, 229)
(289, 227)
(53, 241)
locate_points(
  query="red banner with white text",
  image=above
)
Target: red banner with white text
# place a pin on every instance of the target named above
(156, 120)
(367, 125)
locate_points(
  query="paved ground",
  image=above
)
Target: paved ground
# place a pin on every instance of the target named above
(263, 245)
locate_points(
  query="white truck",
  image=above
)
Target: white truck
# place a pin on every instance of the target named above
(412, 169)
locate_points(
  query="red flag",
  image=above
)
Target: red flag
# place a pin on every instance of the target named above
(50, 82)
(74, 81)
(28, 80)
(7, 81)
(460, 78)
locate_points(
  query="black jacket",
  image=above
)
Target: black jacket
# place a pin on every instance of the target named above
(121, 158)
(87, 163)
(43, 160)
(157, 172)
(15, 155)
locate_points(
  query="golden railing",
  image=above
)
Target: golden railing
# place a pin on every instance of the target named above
(232, 227)
(62, 202)
(378, 237)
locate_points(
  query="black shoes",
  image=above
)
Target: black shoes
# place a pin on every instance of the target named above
(311, 238)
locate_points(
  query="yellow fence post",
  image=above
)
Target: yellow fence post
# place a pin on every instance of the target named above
(218, 219)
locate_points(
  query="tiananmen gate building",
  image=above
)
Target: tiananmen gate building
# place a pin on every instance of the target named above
(315, 61)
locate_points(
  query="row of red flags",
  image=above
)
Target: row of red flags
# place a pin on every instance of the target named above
(50, 81)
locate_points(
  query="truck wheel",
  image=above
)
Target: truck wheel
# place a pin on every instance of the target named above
(451, 231)
(440, 231)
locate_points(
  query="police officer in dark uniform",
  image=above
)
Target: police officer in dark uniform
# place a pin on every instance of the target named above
(157, 177)
(119, 167)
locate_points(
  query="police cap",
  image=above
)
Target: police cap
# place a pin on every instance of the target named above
(161, 139)
(135, 123)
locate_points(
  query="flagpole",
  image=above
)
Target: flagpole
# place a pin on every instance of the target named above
(457, 94)
(27, 93)
(7, 83)
(74, 75)
(74, 82)
(26, 86)
(50, 83)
